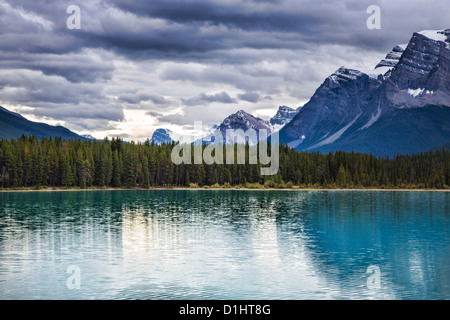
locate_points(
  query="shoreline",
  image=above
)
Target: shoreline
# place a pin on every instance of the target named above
(59, 189)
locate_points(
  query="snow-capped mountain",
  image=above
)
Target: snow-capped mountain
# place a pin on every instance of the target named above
(282, 117)
(400, 106)
(392, 57)
(239, 120)
(88, 137)
(161, 136)
(245, 121)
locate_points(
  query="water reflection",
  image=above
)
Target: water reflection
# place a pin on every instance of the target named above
(405, 234)
(225, 244)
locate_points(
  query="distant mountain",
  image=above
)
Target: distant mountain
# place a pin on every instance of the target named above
(161, 136)
(11, 112)
(239, 120)
(283, 116)
(88, 137)
(245, 121)
(13, 125)
(445, 146)
(400, 106)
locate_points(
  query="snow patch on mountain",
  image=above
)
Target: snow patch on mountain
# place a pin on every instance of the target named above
(336, 135)
(437, 35)
(373, 119)
(392, 58)
(282, 117)
(88, 137)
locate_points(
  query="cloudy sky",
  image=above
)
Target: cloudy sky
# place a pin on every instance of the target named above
(137, 65)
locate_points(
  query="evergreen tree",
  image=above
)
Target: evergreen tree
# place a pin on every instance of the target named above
(146, 172)
(67, 174)
(116, 170)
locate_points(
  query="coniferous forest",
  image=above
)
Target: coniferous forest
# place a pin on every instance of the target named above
(29, 162)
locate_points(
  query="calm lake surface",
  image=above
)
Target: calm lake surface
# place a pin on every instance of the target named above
(225, 244)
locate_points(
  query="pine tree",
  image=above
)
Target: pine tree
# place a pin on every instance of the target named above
(130, 180)
(341, 176)
(146, 173)
(67, 174)
(116, 170)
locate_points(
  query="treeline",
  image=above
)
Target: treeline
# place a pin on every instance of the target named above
(30, 162)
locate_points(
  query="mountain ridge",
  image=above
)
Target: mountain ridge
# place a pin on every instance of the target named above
(363, 110)
(14, 125)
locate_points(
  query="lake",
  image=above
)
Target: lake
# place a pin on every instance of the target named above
(225, 244)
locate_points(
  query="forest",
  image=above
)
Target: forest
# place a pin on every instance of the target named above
(29, 162)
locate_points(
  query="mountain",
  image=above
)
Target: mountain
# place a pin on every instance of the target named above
(282, 117)
(239, 120)
(161, 136)
(88, 137)
(445, 146)
(13, 125)
(393, 57)
(400, 106)
(244, 121)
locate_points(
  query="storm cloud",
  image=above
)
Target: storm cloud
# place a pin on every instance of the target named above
(180, 61)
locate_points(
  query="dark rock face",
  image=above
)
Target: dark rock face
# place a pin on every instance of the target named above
(353, 110)
(339, 101)
(422, 75)
(392, 57)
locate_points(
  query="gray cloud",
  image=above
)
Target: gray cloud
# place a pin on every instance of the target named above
(250, 97)
(142, 96)
(204, 98)
(172, 118)
(154, 114)
(78, 67)
(206, 56)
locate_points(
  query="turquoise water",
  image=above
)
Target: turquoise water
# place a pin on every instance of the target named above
(225, 244)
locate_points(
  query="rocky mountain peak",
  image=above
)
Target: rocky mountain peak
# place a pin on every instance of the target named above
(284, 115)
(400, 106)
(161, 136)
(392, 57)
(422, 75)
(243, 120)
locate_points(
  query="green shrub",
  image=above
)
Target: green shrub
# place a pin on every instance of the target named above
(193, 185)
(255, 185)
(269, 184)
(281, 185)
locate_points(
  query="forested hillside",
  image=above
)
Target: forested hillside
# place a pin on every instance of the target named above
(30, 162)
